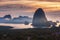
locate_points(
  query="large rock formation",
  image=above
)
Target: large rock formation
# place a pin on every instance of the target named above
(39, 19)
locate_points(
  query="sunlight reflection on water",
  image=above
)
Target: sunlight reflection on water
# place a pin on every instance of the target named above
(21, 26)
(17, 26)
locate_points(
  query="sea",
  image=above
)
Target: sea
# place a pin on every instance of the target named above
(17, 26)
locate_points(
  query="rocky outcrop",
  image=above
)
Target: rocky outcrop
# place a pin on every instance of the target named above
(39, 19)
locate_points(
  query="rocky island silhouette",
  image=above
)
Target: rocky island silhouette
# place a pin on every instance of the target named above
(39, 19)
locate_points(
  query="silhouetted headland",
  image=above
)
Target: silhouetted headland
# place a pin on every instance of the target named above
(33, 34)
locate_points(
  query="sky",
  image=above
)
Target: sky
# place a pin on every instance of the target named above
(28, 7)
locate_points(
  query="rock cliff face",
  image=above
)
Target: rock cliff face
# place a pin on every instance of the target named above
(39, 18)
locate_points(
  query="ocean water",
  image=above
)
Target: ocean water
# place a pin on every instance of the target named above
(17, 26)
(21, 26)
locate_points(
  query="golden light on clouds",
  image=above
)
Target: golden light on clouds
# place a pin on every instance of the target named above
(47, 6)
(28, 7)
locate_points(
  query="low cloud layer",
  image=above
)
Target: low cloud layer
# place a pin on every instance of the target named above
(33, 0)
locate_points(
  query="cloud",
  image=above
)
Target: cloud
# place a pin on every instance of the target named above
(17, 7)
(53, 15)
(28, 7)
(33, 0)
(50, 0)
(31, 5)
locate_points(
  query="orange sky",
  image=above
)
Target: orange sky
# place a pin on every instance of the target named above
(30, 6)
(47, 6)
